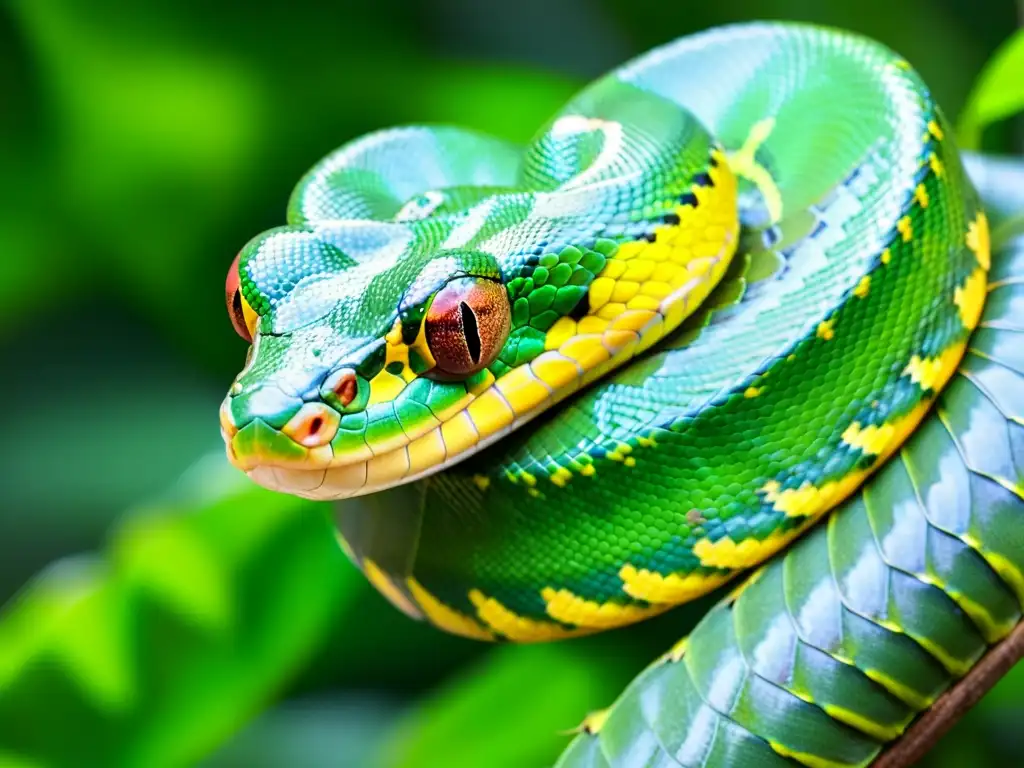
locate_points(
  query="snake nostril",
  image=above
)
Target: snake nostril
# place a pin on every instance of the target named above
(314, 425)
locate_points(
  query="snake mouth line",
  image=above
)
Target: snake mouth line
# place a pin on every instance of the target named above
(360, 478)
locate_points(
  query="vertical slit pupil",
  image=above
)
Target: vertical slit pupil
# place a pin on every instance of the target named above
(471, 331)
(236, 309)
(238, 316)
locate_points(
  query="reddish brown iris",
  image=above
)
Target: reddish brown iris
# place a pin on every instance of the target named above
(233, 295)
(466, 326)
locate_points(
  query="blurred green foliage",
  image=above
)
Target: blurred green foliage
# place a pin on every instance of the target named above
(141, 145)
(998, 94)
(116, 654)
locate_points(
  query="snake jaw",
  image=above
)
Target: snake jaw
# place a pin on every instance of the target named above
(316, 485)
(323, 479)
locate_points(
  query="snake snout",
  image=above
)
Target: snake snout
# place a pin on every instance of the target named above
(267, 426)
(266, 402)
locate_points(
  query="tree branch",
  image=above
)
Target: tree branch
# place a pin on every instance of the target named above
(952, 705)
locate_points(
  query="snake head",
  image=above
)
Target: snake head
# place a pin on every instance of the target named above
(436, 289)
(366, 339)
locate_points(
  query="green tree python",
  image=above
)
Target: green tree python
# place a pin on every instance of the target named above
(593, 378)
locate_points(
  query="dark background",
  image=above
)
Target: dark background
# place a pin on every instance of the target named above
(142, 144)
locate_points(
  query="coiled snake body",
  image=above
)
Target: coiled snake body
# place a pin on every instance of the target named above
(707, 302)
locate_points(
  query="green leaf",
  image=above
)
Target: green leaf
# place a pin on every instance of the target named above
(338, 731)
(178, 567)
(998, 93)
(152, 654)
(514, 708)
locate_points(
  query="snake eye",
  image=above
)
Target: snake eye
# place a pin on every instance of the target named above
(466, 326)
(235, 302)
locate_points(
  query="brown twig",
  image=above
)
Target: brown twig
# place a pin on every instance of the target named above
(954, 703)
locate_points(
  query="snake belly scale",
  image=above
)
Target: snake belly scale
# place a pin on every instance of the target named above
(585, 381)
